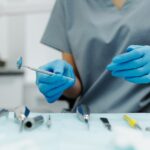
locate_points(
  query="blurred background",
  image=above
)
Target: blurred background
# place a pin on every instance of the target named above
(22, 23)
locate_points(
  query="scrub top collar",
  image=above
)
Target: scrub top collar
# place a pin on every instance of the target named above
(110, 3)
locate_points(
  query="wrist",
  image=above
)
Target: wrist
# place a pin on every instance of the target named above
(74, 91)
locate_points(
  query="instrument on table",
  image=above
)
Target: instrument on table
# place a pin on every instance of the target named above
(106, 123)
(83, 113)
(132, 122)
(32, 123)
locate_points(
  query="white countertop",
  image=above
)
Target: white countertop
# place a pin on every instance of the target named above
(68, 133)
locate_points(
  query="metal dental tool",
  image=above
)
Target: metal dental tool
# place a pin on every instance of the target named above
(32, 123)
(132, 122)
(20, 65)
(106, 123)
(83, 113)
(48, 122)
(20, 114)
(4, 112)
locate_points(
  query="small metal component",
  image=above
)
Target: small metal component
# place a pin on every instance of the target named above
(105, 121)
(4, 112)
(83, 113)
(20, 65)
(138, 127)
(32, 123)
(49, 122)
(147, 129)
(20, 114)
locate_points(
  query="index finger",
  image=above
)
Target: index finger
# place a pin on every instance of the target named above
(128, 56)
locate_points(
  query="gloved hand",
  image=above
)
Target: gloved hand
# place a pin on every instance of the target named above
(134, 65)
(52, 87)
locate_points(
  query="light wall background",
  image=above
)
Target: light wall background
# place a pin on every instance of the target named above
(22, 23)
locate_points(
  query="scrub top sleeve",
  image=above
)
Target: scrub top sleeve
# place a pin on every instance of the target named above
(55, 34)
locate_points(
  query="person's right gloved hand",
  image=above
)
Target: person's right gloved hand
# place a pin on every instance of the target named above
(53, 86)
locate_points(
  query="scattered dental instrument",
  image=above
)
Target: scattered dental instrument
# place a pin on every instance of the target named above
(48, 124)
(83, 113)
(20, 114)
(32, 123)
(20, 65)
(147, 129)
(4, 112)
(132, 122)
(106, 123)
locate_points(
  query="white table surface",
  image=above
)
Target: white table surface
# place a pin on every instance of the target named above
(65, 133)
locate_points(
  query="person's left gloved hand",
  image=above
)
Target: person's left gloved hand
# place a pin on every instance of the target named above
(134, 65)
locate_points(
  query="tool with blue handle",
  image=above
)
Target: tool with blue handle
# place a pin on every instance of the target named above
(83, 113)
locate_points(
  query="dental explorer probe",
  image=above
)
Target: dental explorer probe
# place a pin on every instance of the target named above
(20, 65)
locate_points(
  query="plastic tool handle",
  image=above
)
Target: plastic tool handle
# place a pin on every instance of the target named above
(131, 122)
(83, 112)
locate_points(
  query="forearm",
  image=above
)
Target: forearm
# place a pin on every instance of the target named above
(74, 91)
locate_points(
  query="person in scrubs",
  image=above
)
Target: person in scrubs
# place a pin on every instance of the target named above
(106, 52)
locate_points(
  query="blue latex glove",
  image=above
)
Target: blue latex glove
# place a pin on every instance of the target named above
(134, 65)
(52, 87)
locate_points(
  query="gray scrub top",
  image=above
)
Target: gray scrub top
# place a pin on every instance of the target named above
(94, 31)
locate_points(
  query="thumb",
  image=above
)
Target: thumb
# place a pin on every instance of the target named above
(59, 68)
(56, 66)
(132, 47)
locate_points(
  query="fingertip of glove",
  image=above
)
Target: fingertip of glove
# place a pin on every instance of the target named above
(116, 59)
(132, 47)
(108, 67)
(111, 66)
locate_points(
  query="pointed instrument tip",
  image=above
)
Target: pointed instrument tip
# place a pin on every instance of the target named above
(87, 123)
(138, 127)
(19, 62)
